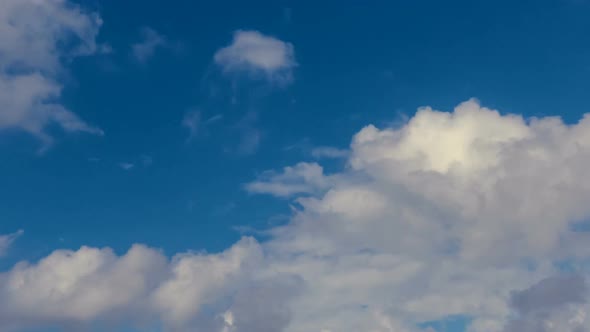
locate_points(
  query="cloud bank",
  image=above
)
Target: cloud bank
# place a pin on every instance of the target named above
(469, 213)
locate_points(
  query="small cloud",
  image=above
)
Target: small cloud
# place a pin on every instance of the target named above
(151, 40)
(256, 54)
(126, 166)
(328, 152)
(7, 240)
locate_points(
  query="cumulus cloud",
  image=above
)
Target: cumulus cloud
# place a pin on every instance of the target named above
(256, 54)
(446, 215)
(36, 37)
(150, 41)
(466, 205)
(189, 291)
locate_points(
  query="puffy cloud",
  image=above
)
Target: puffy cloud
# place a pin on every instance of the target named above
(269, 313)
(7, 240)
(256, 54)
(151, 40)
(443, 216)
(35, 38)
(477, 203)
(506, 185)
(89, 285)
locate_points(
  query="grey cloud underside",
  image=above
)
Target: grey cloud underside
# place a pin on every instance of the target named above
(556, 304)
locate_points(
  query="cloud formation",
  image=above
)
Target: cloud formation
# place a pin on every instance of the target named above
(69, 288)
(258, 55)
(32, 53)
(444, 216)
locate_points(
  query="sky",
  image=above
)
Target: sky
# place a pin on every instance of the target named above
(289, 166)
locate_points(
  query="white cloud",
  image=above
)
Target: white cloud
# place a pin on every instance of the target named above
(256, 54)
(460, 200)
(77, 287)
(299, 179)
(151, 40)
(7, 240)
(32, 39)
(446, 215)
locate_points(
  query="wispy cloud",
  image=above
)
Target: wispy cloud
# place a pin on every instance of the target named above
(196, 125)
(250, 135)
(150, 41)
(7, 240)
(126, 166)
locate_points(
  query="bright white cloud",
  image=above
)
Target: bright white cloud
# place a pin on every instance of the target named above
(32, 35)
(446, 215)
(151, 40)
(256, 54)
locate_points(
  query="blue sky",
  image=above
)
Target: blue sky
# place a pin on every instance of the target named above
(187, 126)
